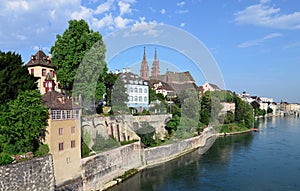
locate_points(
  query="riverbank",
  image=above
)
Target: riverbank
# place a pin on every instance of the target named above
(207, 142)
(157, 155)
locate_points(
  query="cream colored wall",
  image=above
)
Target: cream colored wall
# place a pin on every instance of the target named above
(67, 163)
(38, 73)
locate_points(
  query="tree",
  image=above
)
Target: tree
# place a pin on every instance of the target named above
(119, 97)
(210, 108)
(243, 112)
(69, 51)
(14, 78)
(23, 123)
(109, 82)
(269, 110)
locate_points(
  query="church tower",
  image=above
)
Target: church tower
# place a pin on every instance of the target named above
(144, 71)
(155, 67)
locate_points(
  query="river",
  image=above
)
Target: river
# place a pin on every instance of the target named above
(257, 161)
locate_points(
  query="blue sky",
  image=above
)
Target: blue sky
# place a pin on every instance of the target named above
(256, 44)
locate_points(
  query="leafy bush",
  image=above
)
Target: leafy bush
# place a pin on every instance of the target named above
(5, 159)
(85, 150)
(146, 134)
(42, 150)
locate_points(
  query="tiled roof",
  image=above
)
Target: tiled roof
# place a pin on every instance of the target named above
(131, 78)
(40, 59)
(164, 86)
(56, 100)
(214, 86)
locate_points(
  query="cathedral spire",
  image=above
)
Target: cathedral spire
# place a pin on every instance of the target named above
(144, 71)
(144, 57)
(155, 66)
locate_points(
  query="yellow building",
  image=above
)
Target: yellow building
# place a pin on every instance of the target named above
(63, 135)
(39, 66)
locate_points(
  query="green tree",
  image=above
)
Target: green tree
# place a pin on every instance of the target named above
(210, 108)
(119, 97)
(269, 110)
(23, 123)
(243, 112)
(109, 83)
(14, 78)
(69, 51)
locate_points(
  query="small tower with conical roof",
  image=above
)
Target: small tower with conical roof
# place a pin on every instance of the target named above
(144, 71)
(155, 66)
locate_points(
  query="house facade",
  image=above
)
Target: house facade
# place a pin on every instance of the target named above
(63, 135)
(39, 66)
(137, 89)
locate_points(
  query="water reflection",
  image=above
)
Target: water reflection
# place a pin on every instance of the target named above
(185, 172)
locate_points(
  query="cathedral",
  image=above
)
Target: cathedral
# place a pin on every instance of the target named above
(144, 71)
(178, 81)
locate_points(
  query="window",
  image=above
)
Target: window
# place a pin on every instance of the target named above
(135, 90)
(52, 73)
(131, 90)
(43, 72)
(73, 144)
(58, 114)
(145, 99)
(61, 146)
(75, 114)
(140, 99)
(53, 114)
(68, 114)
(60, 131)
(130, 98)
(73, 129)
(145, 90)
(135, 98)
(63, 116)
(140, 90)
(32, 71)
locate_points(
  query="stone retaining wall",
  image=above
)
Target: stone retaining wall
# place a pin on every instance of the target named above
(32, 175)
(99, 169)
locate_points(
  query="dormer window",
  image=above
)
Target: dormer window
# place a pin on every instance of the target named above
(44, 72)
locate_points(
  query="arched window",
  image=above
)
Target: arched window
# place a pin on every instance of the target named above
(140, 90)
(140, 99)
(145, 90)
(131, 89)
(145, 99)
(135, 98)
(136, 90)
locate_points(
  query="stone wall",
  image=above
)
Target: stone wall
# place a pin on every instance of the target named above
(165, 153)
(32, 175)
(104, 167)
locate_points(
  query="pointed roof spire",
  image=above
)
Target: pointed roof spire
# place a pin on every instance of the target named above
(144, 58)
(155, 55)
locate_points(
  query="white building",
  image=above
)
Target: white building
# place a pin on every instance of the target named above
(137, 90)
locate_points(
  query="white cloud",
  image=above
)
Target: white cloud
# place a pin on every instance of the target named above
(121, 22)
(83, 13)
(182, 24)
(124, 7)
(267, 16)
(146, 28)
(259, 41)
(106, 21)
(104, 7)
(17, 5)
(181, 4)
(163, 11)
